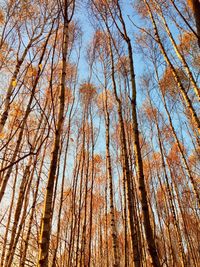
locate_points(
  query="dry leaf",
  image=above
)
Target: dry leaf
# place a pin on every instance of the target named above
(14, 83)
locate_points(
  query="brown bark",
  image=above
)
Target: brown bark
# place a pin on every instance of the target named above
(27, 238)
(110, 179)
(196, 12)
(47, 211)
(126, 169)
(138, 157)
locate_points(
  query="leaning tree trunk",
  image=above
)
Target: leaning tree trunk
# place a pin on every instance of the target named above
(23, 123)
(181, 56)
(196, 13)
(12, 85)
(187, 100)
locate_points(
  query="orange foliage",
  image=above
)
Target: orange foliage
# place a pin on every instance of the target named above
(16, 110)
(32, 72)
(156, 160)
(187, 40)
(2, 135)
(99, 38)
(31, 75)
(174, 154)
(98, 202)
(190, 4)
(97, 159)
(154, 163)
(150, 112)
(155, 6)
(161, 197)
(68, 95)
(102, 97)
(103, 6)
(70, 72)
(189, 46)
(123, 66)
(88, 91)
(74, 33)
(194, 157)
(141, 8)
(4, 59)
(16, 114)
(168, 83)
(26, 10)
(146, 168)
(100, 43)
(1, 17)
(167, 133)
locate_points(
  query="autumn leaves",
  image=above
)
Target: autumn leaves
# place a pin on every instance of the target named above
(100, 171)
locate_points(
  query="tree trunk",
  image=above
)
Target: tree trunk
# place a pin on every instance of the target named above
(109, 173)
(196, 12)
(47, 211)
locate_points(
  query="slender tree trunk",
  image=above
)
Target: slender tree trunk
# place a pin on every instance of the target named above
(184, 19)
(109, 173)
(176, 77)
(179, 145)
(16, 232)
(26, 241)
(91, 194)
(21, 133)
(11, 86)
(8, 220)
(180, 56)
(176, 223)
(195, 187)
(125, 163)
(138, 157)
(80, 198)
(84, 229)
(61, 195)
(47, 212)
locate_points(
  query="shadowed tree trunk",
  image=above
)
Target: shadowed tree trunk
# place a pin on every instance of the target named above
(196, 11)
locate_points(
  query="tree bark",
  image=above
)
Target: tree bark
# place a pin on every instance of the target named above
(47, 211)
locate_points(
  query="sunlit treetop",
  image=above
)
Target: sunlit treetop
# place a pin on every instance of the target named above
(105, 98)
(88, 92)
(1, 17)
(104, 9)
(123, 66)
(169, 85)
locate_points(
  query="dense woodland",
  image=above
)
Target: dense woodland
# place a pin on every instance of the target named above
(99, 133)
